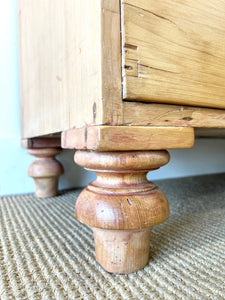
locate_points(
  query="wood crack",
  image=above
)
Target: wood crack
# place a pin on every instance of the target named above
(158, 69)
(152, 13)
(168, 113)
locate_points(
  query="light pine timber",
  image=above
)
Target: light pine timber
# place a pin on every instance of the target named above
(69, 64)
(111, 90)
(121, 138)
(172, 115)
(174, 51)
(45, 171)
(122, 206)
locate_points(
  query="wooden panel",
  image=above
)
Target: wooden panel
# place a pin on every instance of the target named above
(44, 65)
(174, 51)
(70, 66)
(125, 138)
(112, 104)
(148, 114)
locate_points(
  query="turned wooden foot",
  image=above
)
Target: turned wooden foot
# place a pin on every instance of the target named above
(121, 206)
(45, 171)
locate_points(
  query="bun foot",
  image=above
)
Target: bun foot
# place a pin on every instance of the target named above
(121, 206)
(45, 171)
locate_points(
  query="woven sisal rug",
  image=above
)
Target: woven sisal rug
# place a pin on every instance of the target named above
(46, 254)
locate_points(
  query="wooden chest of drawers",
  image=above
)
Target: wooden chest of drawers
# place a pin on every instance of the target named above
(121, 80)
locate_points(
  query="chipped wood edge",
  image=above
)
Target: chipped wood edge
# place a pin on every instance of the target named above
(128, 138)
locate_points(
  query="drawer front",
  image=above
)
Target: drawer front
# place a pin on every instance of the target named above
(174, 51)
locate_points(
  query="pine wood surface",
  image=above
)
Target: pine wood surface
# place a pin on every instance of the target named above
(70, 62)
(70, 66)
(174, 51)
(122, 251)
(111, 110)
(45, 171)
(172, 115)
(122, 138)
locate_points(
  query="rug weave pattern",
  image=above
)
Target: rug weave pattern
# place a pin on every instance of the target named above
(46, 254)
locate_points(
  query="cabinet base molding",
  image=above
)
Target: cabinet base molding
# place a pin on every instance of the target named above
(45, 171)
(122, 206)
(128, 138)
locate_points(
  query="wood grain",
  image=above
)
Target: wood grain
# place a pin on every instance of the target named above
(45, 31)
(70, 64)
(148, 114)
(45, 171)
(122, 138)
(122, 205)
(111, 75)
(174, 51)
(122, 251)
(122, 180)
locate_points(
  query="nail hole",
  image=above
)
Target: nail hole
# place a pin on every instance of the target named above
(187, 118)
(129, 202)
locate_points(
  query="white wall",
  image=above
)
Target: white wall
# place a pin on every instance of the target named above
(207, 156)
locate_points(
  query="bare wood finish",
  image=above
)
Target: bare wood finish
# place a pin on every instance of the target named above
(124, 138)
(122, 206)
(113, 249)
(45, 67)
(174, 51)
(111, 90)
(69, 64)
(45, 171)
(73, 69)
(172, 115)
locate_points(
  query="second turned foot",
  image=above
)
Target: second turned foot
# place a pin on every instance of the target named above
(45, 171)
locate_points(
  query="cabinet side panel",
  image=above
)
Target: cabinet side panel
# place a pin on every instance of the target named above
(174, 51)
(60, 65)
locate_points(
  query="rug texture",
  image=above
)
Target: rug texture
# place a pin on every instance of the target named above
(46, 254)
